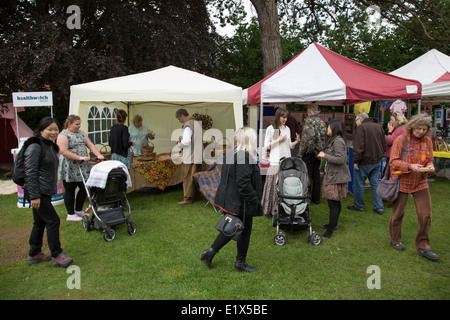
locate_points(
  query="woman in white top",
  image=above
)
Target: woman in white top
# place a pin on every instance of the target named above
(278, 141)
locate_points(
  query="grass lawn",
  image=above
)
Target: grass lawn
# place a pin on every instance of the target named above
(161, 261)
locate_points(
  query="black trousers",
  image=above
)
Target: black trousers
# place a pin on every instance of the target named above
(242, 243)
(313, 166)
(45, 218)
(69, 196)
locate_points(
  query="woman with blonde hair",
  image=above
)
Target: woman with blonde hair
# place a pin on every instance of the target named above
(396, 127)
(412, 159)
(239, 194)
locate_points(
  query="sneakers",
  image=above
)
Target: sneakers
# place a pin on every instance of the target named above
(40, 257)
(81, 213)
(354, 209)
(62, 260)
(73, 217)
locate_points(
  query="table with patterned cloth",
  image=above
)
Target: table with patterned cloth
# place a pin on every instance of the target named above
(158, 172)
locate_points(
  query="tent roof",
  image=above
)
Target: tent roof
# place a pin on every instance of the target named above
(327, 78)
(164, 84)
(432, 69)
(24, 130)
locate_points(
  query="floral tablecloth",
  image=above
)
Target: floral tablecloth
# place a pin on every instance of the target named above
(158, 172)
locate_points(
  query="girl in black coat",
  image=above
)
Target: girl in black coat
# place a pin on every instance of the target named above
(239, 193)
(41, 174)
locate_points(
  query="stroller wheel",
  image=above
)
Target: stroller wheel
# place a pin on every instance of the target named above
(131, 228)
(280, 238)
(86, 223)
(109, 234)
(314, 238)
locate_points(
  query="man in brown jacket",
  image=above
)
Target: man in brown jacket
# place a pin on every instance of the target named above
(369, 146)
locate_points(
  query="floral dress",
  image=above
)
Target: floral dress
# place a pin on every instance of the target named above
(69, 169)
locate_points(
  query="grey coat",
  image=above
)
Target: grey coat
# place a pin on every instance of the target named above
(337, 167)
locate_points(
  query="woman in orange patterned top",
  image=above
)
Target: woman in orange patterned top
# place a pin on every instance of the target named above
(413, 179)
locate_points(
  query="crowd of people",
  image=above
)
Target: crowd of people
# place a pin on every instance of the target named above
(370, 144)
(241, 191)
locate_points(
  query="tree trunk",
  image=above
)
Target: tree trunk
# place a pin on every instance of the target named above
(270, 34)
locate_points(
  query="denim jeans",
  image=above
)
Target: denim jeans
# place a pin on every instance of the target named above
(369, 171)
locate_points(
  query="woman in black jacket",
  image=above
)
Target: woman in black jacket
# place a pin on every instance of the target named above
(239, 193)
(119, 140)
(41, 174)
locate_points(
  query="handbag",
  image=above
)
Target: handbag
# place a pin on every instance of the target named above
(230, 226)
(388, 189)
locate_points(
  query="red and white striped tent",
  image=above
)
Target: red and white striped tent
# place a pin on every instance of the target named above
(321, 76)
(432, 69)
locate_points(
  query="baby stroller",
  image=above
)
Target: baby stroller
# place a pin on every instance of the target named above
(106, 190)
(293, 201)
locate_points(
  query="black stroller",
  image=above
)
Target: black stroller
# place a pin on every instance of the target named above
(293, 201)
(109, 205)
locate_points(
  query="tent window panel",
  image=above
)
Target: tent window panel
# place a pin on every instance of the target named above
(100, 121)
(105, 137)
(90, 125)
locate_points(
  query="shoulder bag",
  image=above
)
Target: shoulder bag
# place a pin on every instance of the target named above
(388, 188)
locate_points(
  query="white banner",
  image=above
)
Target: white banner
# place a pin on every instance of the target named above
(32, 99)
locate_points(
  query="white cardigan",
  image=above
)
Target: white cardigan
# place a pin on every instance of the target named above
(277, 150)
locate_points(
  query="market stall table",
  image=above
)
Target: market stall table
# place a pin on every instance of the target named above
(158, 173)
(444, 155)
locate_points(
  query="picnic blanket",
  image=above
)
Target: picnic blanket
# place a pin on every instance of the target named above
(208, 181)
(99, 173)
(158, 172)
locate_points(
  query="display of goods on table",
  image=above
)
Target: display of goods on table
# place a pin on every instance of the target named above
(158, 171)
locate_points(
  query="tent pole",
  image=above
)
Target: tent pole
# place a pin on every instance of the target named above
(418, 105)
(17, 126)
(260, 132)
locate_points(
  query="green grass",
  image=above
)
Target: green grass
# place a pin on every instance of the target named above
(161, 261)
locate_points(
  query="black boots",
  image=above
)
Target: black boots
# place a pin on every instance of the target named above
(241, 265)
(207, 257)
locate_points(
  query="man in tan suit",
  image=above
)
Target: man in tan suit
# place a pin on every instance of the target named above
(190, 162)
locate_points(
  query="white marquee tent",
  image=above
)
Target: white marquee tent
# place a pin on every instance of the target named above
(156, 95)
(432, 69)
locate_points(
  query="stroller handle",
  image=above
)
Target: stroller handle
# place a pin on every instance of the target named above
(94, 159)
(293, 197)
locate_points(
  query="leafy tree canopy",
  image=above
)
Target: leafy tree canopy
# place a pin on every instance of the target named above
(115, 38)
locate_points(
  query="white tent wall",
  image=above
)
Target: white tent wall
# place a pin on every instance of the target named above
(161, 118)
(156, 95)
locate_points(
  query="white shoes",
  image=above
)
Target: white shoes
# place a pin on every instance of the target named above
(73, 217)
(78, 216)
(81, 213)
